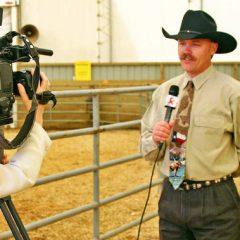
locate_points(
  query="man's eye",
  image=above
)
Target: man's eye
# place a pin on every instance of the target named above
(196, 44)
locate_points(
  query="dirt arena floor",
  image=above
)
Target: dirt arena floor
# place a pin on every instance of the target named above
(53, 198)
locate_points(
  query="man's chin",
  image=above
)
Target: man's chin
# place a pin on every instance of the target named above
(189, 70)
(187, 66)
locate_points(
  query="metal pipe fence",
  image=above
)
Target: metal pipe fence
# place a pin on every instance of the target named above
(96, 166)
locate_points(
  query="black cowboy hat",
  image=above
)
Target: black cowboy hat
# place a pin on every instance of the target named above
(199, 24)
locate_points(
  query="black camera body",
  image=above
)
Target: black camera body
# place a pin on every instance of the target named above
(9, 89)
(25, 78)
(9, 79)
(6, 93)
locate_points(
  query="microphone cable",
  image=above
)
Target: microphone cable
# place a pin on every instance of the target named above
(171, 103)
(149, 189)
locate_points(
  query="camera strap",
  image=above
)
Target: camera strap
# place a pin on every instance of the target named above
(45, 97)
(29, 120)
(27, 125)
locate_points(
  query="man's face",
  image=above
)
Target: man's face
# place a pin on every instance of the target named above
(195, 55)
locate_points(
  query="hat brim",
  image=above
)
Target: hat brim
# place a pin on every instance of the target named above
(226, 42)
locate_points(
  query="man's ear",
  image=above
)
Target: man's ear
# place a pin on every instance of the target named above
(214, 47)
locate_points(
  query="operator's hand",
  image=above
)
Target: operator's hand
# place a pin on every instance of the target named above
(43, 86)
(161, 131)
(4, 159)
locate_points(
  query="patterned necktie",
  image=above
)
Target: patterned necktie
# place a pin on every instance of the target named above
(177, 149)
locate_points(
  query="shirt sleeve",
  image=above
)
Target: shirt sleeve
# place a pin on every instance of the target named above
(23, 169)
(148, 148)
(235, 104)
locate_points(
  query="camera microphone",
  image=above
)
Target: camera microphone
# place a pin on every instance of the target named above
(43, 51)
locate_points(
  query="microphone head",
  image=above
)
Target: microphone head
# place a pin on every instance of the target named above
(174, 90)
(172, 100)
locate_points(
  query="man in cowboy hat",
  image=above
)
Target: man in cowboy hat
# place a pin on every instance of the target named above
(205, 203)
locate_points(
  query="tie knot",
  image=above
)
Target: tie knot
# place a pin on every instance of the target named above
(190, 84)
(190, 88)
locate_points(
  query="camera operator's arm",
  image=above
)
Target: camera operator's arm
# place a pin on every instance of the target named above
(43, 86)
(23, 169)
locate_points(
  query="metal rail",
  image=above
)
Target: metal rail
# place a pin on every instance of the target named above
(95, 168)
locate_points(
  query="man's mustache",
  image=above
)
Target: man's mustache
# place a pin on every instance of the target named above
(187, 56)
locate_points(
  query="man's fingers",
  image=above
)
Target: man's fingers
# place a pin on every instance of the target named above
(171, 124)
(4, 160)
(45, 83)
(162, 131)
(24, 96)
(22, 91)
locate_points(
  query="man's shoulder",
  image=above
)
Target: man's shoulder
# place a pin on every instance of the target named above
(163, 88)
(226, 79)
(222, 76)
(226, 84)
(172, 81)
(176, 80)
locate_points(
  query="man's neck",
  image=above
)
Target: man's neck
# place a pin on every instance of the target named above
(195, 74)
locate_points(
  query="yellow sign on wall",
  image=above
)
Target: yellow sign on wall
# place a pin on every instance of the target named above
(83, 71)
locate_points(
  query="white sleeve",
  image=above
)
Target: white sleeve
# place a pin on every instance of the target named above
(23, 169)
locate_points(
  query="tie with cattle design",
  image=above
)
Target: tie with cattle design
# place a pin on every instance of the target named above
(177, 149)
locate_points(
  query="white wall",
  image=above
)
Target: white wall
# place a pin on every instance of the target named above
(66, 27)
(69, 28)
(226, 14)
(137, 29)
(138, 23)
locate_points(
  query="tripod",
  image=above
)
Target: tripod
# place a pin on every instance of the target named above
(14, 222)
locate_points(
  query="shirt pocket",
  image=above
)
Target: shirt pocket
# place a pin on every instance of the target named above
(207, 132)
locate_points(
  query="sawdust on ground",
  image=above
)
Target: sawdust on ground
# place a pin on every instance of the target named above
(53, 198)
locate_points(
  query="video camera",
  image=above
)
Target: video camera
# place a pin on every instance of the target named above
(8, 79)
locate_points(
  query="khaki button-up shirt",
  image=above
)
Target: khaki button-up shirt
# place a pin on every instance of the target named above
(213, 141)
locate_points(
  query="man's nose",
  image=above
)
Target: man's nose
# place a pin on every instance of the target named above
(188, 48)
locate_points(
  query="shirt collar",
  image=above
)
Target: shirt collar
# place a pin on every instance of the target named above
(200, 79)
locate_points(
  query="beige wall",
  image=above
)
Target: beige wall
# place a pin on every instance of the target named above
(69, 28)
(66, 27)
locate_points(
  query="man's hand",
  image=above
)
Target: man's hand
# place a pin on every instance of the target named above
(161, 131)
(4, 159)
(43, 86)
